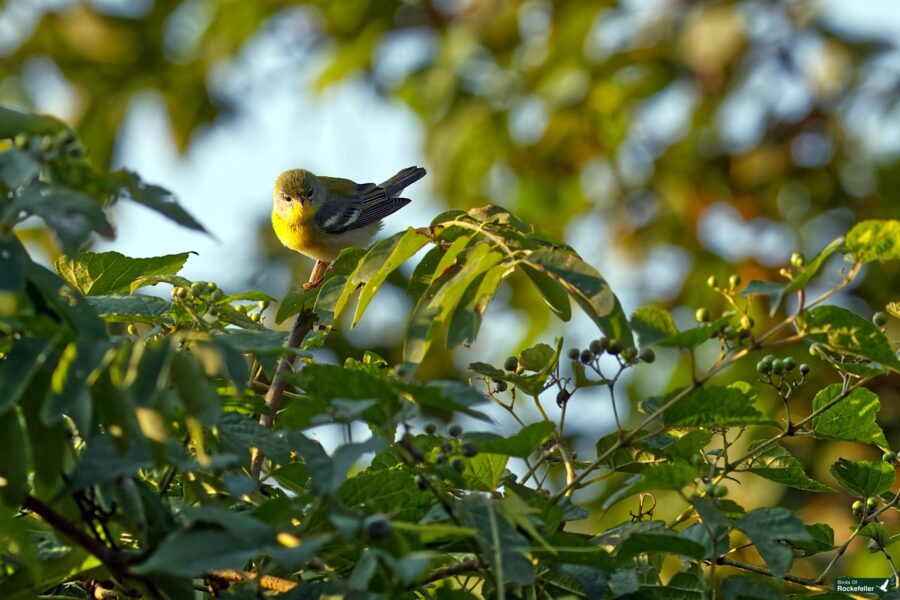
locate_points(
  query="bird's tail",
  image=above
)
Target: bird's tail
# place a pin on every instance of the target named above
(407, 176)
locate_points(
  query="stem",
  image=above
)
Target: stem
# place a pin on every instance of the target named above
(466, 566)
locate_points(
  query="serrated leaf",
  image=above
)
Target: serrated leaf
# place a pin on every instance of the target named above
(155, 198)
(713, 406)
(874, 240)
(765, 527)
(484, 471)
(667, 476)
(863, 478)
(139, 308)
(658, 540)
(520, 444)
(17, 168)
(588, 288)
(330, 472)
(847, 333)
(502, 546)
(652, 324)
(18, 367)
(777, 464)
(72, 215)
(682, 586)
(821, 540)
(691, 338)
(851, 419)
(96, 274)
(738, 587)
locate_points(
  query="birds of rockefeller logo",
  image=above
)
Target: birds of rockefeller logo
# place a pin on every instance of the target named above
(863, 585)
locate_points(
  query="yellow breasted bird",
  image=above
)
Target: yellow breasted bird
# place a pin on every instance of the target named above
(320, 216)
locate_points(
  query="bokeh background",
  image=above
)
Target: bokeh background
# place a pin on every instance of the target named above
(665, 140)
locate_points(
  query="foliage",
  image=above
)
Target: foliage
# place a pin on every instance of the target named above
(128, 422)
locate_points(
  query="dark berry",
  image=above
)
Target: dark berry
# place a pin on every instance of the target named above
(500, 386)
(431, 429)
(562, 397)
(648, 355)
(615, 346)
(468, 449)
(574, 353)
(586, 356)
(598, 346)
(804, 369)
(377, 527)
(629, 354)
(511, 363)
(421, 482)
(457, 465)
(880, 319)
(454, 430)
(702, 315)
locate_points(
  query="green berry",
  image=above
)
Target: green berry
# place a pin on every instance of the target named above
(789, 364)
(574, 353)
(804, 369)
(857, 507)
(256, 317)
(629, 354)
(511, 363)
(702, 315)
(615, 346)
(777, 366)
(454, 431)
(180, 292)
(872, 502)
(797, 260)
(586, 356)
(198, 287)
(716, 490)
(500, 386)
(730, 332)
(746, 322)
(712, 282)
(377, 527)
(815, 348)
(880, 319)
(468, 449)
(132, 330)
(734, 281)
(647, 355)
(216, 295)
(769, 358)
(764, 367)
(598, 346)
(431, 429)
(457, 465)
(211, 286)
(889, 456)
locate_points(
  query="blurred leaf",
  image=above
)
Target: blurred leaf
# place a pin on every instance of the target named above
(520, 444)
(653, 324)
(101, 462)
(17, 167)
(155, 198)
(443, 399)
(138, 308)
(13, 123)
(845, 332)
(873, 240)
(72, 215)
(192, 553)
(15, 460)
(673, 476)
(766, 527)
(691, 338)
(17, 368)
(738, 587)
(503, 547)
(852, 418)
(96, 274)
(466, 320)
(198, 394)
(863, 478)
(553, 293)
(821, 539)
(712, 406)
(661, 540)
(329, 472)
(777, 464)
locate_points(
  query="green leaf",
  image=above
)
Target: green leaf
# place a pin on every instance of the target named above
(691, 338)
(423, 274)
(687, 446)
(329, 472)
(331, 382)
(389, 491)
(874, 240)
(738, 587)
(863, 478)
(668, 476)
(851, 419)
(777, 464)
(502, 546)
(531, 384)
(653, 324)
(18, 367)
(328, 303)
(139, 308)
(466, 320)
(437, 304)
(155, 198)
(14, 122)
(443, 399)
(682, 586)
(192, 553)
(658, 540)
(17, 168)
(821, 540)
(765, 527)
(72, 215)
(520, 444)
(15, 461)
(589, 290)
(847, 333)
(69, 384)
(484, 471)
(101, 463)
(713, 406)
(96, 274)
(198, 394)
(401, 248)
(553, 293)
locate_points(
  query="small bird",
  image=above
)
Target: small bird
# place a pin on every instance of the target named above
(320, 216)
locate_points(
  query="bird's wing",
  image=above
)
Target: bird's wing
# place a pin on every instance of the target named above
(338, 216)
(367, 203)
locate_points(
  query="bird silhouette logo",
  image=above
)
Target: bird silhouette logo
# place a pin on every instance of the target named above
(883, 586)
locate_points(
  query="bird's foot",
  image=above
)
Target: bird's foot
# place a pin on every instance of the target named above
(310, 285)
(317, 276)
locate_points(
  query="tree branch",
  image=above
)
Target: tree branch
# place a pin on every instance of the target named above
(266, 582)
(458, 569)
(302, 326)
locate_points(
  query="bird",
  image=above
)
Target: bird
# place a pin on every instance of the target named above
(319, 216)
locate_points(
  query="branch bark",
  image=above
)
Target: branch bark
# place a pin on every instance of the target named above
(275, 394)
(467, 566)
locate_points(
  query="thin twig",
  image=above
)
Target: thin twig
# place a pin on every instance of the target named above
(467, 566)
(266, 582)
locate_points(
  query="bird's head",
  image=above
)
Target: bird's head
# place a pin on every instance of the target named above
(295, 191)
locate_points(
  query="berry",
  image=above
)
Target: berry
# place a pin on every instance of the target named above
(730, 332)
(872, 502)
(712, 282)
(615, 346)
(716, 490)
(431, 429)
(746, 322)
(769, 358)
(180, 292)
(734, 281)
(629, 354)
(648, 355)
(132, 330)
(198, 287)
(586, 356)
(777, 366)
(789, 364)
(880, 319)
(454, 430)
(446, 448)
(421, 482)
(562, 397)
(889, 456)
(815, 348)
(440, 459)
(797, 260)
(468, 449)
(598, 346)
(764, 367)
(804, 369)
(702, 315)
(574, 353)
(511, 363)
(377, 527)
(457, 465)
(857, 507)
(217, 295)
(500, 386)
(211, 286)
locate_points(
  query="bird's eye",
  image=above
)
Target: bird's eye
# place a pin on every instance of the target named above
(286, 198)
